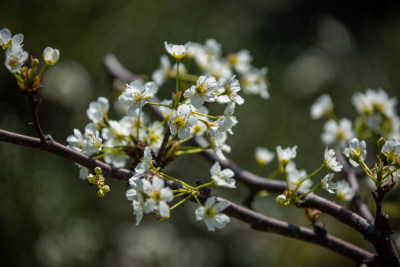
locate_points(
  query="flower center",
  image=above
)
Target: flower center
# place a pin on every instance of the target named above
(179, 123)
(200, 89)
(210, 212)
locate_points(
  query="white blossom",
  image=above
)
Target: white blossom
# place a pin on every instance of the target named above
(255, 82)
(181, 121)
(98, 109)
(177, 51)
(295, 176)
(344, 191)
(263, 156)
(159, 195)
(228, 91)
(203, 91)
(359, 147)
(240, 61)
(321, 107)
(374, 101)
(135, 95)
(391, 149)
(328, 185)
(337, 133)
(15, 58)
(330, 160)
(218, 144)
(286, 155)
(211, 215)
(222, 178)
(51, 56)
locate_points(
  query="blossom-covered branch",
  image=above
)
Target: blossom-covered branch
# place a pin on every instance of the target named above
(255, 220)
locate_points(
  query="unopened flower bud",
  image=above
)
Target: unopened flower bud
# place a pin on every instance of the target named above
(105, 189)
(98, 170)
(381, 142)
(355, 155)
(101, 193)
(51, 56)
(281, 200)
(91, 178)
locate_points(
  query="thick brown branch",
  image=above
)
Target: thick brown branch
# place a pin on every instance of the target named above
(257, 221)
(381, 241)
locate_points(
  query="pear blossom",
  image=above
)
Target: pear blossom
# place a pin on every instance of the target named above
(322, 106)
(135, 95)
(255, 82)
(218, 144)
(98, 109)
(296, 177)
(263, 156)
(240, 61)
(92, 142)
(374, 101)
(159, 195)
(331, 162)
(8, 41)
(15, 58)
(391, 149)
(155, 135)
(222, 178)
(359, 148)
(211, 214)
(337, 133)
(344, 191)
(203, 91)
(226, 122)
(181, 121)
(286, 155)
(159, 76)
(228, 91)
(51, 56)
(5, 37)
(177, 51)
(328, 185)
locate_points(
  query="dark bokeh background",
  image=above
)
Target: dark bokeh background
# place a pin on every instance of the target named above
(48, 217)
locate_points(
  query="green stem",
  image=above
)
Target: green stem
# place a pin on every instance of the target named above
(159, 104)
(42, 72)
(166, 176)
(274, 174)
(311, 175)
(386, 175)
(305, 194)
(197, 200)
(182, 201)
(177, 75)
(17, 77)
(204, 185)
(191, 151)
(181, 194)
(204, 115)
(367, 171)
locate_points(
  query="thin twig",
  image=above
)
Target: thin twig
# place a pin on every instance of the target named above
(257, 221)
(33, 103)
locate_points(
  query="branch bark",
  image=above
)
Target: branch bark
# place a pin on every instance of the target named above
(255, 220)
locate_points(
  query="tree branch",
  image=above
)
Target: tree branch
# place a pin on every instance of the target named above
(381, 241)
(257, 221)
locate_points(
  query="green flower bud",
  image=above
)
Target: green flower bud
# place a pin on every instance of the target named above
(281, 200)
(91, 178)
(98, 170)
(381, 142)
(105, 189)
(101, 193)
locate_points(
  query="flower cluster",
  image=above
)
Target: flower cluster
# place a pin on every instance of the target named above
(29, 79)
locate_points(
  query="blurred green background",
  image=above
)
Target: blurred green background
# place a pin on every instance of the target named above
(48, 217)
